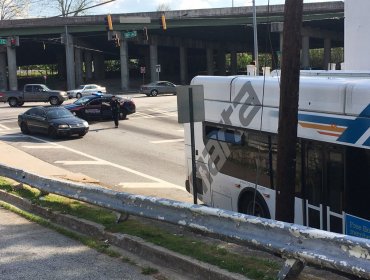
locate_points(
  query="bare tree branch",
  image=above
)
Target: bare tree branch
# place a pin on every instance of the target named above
(10, 9)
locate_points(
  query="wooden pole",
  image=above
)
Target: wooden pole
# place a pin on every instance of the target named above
(288, 112)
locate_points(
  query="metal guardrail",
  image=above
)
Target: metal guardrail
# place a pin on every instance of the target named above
(298, 244)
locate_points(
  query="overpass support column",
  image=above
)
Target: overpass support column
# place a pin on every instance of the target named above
(12, 68)
(88, 65)
(61, 65)
(99, 67)
(210, 67)
(327, 53)
(234, 63)
(221, 61)
(124, 65)
(183, 66)
(305, 59)
(78, 65)
(70, 63)
(3, 75)
(153, 62)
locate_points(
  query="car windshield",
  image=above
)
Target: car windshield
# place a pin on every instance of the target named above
(81, 87)
(59, 114)
(82, 100)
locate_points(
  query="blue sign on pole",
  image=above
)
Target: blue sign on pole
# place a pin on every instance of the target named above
(356, 226)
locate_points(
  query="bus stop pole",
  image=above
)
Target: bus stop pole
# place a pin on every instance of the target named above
(193, 165)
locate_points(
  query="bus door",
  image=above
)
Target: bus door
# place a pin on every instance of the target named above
(324, 186)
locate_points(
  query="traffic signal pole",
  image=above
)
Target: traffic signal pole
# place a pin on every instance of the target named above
(288, 111)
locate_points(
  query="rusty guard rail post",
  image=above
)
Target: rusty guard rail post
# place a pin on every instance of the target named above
(297, 243)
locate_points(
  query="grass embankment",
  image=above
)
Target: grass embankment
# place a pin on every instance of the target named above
(252, 267)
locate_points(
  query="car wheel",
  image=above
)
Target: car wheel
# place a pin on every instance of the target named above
(24, 128)
(54, 101)
(13, 102)
(20, 103)
(82, 134)
(52, 132)
(122, 115)
(154, 92)
(78, 95)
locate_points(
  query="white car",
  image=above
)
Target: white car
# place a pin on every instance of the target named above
(83, 90)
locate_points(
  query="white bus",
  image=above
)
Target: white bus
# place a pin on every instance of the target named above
(236, 150)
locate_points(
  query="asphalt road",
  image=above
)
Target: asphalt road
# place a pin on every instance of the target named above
(145, 155)
(30, 251)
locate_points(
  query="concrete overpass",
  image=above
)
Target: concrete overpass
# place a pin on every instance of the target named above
(195, 41)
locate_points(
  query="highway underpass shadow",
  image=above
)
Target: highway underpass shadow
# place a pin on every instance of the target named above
(20, 137)
(99, 129)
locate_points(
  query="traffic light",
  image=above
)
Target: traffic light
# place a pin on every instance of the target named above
(13, 43)
(108, 23)
(163, 21)
(116, 40)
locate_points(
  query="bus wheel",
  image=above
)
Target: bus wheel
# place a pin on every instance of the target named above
(258, 208)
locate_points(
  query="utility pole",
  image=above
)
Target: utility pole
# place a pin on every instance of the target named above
(255, 39)
(288, 111)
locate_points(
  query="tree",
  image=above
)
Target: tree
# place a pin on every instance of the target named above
(72, 7)
(10, 9)
(163, 7)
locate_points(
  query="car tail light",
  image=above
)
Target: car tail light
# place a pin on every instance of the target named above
(1, 94)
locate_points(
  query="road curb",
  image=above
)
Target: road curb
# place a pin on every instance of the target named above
(148, 251)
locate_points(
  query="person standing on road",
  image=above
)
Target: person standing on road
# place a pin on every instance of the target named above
(115, 106)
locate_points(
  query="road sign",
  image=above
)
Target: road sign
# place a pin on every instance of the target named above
(129, 34)
(158, 68)
(190, 104)
(124, 19)
(142, 70)
(3, 41)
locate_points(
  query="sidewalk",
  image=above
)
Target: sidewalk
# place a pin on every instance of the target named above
(18, 159)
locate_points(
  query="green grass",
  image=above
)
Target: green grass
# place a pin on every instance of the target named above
(252, 267)
(149, 271)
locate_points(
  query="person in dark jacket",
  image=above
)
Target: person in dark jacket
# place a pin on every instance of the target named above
(115, 106)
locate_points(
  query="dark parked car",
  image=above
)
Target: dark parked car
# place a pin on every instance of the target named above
(97, 107)
(155, 88)
(54, 121)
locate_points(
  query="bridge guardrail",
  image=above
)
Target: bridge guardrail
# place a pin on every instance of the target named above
(300, 245)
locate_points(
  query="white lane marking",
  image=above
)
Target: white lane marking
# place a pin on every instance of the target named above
(180, 130)
(107, 162)
(3, 127)
(6, 121)
(150, 186)
(80, 162)
(167, 141)
(143, 115)
(41, 147)
(166, 113)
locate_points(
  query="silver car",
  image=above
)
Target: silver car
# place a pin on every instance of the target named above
(159, 87)
(83, 90)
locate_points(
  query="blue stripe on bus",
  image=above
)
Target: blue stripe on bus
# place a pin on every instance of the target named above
(324, 120)
(355, 128)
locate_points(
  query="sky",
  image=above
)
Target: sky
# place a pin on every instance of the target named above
(131, 6)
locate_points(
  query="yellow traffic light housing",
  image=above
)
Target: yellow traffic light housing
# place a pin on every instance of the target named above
(163, 19)
(108, 23)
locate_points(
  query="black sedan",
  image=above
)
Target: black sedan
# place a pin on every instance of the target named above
(97, 107)
(54, 121)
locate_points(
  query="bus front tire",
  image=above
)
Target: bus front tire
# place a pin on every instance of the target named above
(247, 205)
